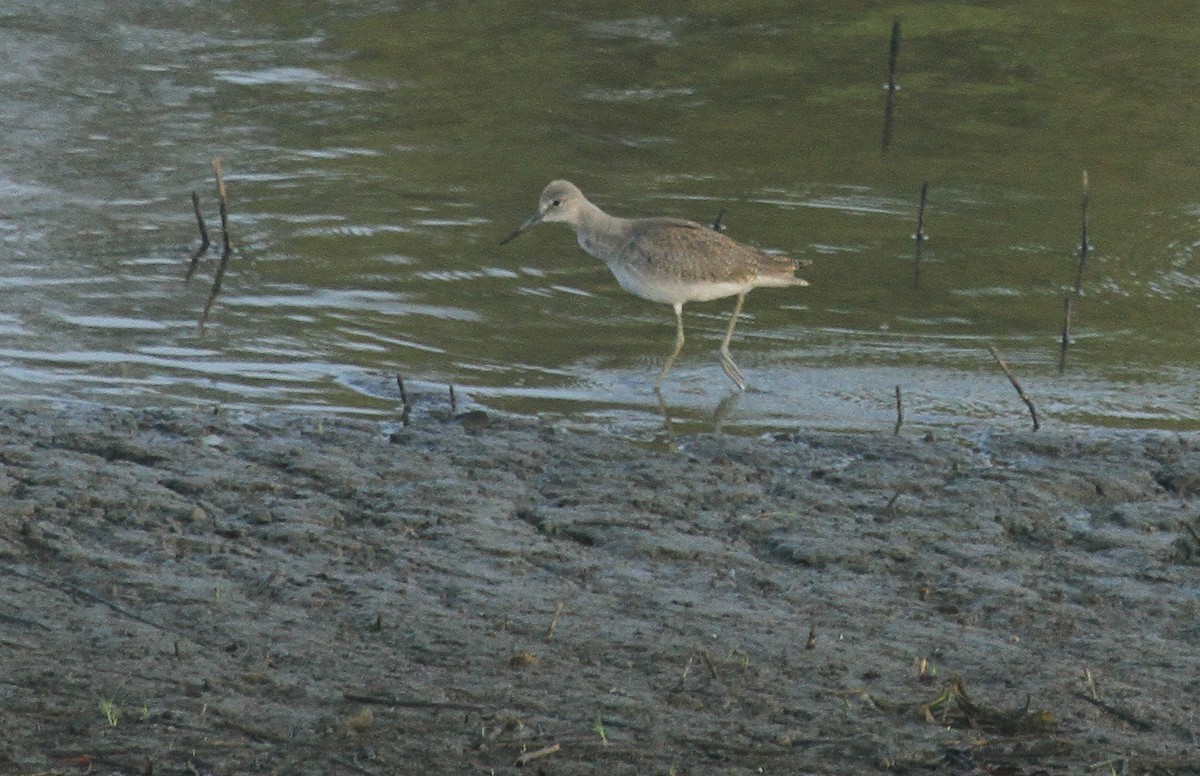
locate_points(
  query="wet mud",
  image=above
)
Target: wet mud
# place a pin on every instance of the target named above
(188, 592)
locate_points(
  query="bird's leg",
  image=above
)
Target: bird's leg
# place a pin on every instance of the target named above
(727, 364)
(678, 346)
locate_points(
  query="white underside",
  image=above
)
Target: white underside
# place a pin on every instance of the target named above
(672, 293)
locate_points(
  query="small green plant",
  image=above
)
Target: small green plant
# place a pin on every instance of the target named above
(598, 727)
(110, 711)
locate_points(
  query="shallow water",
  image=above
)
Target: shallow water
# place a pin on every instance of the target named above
(376, 154)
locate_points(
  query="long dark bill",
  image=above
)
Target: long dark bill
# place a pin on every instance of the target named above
(533, 221)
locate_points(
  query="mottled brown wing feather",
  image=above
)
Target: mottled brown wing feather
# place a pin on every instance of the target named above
(689, 252)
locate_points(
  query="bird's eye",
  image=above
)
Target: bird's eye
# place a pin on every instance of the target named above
(556, 203)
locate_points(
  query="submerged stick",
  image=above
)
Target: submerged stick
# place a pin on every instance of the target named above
(226, 249)
(1084, 246)
(453, 400)
(899, 412)
(890, 106)
(1015, 384)
(202, 248)
(920, 237)
(1066, 334)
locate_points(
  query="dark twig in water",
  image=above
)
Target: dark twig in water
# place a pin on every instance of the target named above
(202, 248)
(1015, 384)
(889, 108)
(899, 412)
(1084, 245)
(453, 400)
(919, 237)
(1066, 334)
(717, 225)
(226, 248)
(405, 407)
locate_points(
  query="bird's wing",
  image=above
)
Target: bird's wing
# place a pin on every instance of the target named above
(690, 252)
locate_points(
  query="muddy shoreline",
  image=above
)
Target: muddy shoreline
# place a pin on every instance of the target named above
(188, 592)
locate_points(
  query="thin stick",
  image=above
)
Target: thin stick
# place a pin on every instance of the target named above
(403, 393)
(526, 758)
(202, 248)
(1119, 713)
(687, 669)
(407, 703)
(405, 407)
(226, 249)
(889, 108)
(1084, 246)
(1066, 334)
(453, 400)
(920, 237)
(1012, 379)
(899, 412)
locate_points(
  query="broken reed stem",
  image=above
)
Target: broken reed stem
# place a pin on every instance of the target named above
(554, 622)
(899, 412)
(453, 400)
(1066, 334)
(1084, 246)
(202, 248)
(405, 407)
(226, 249)
(890, 106)
(1091, 683)
(687, 669)
(920, 237)
(403, 393)
(1015, 384)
